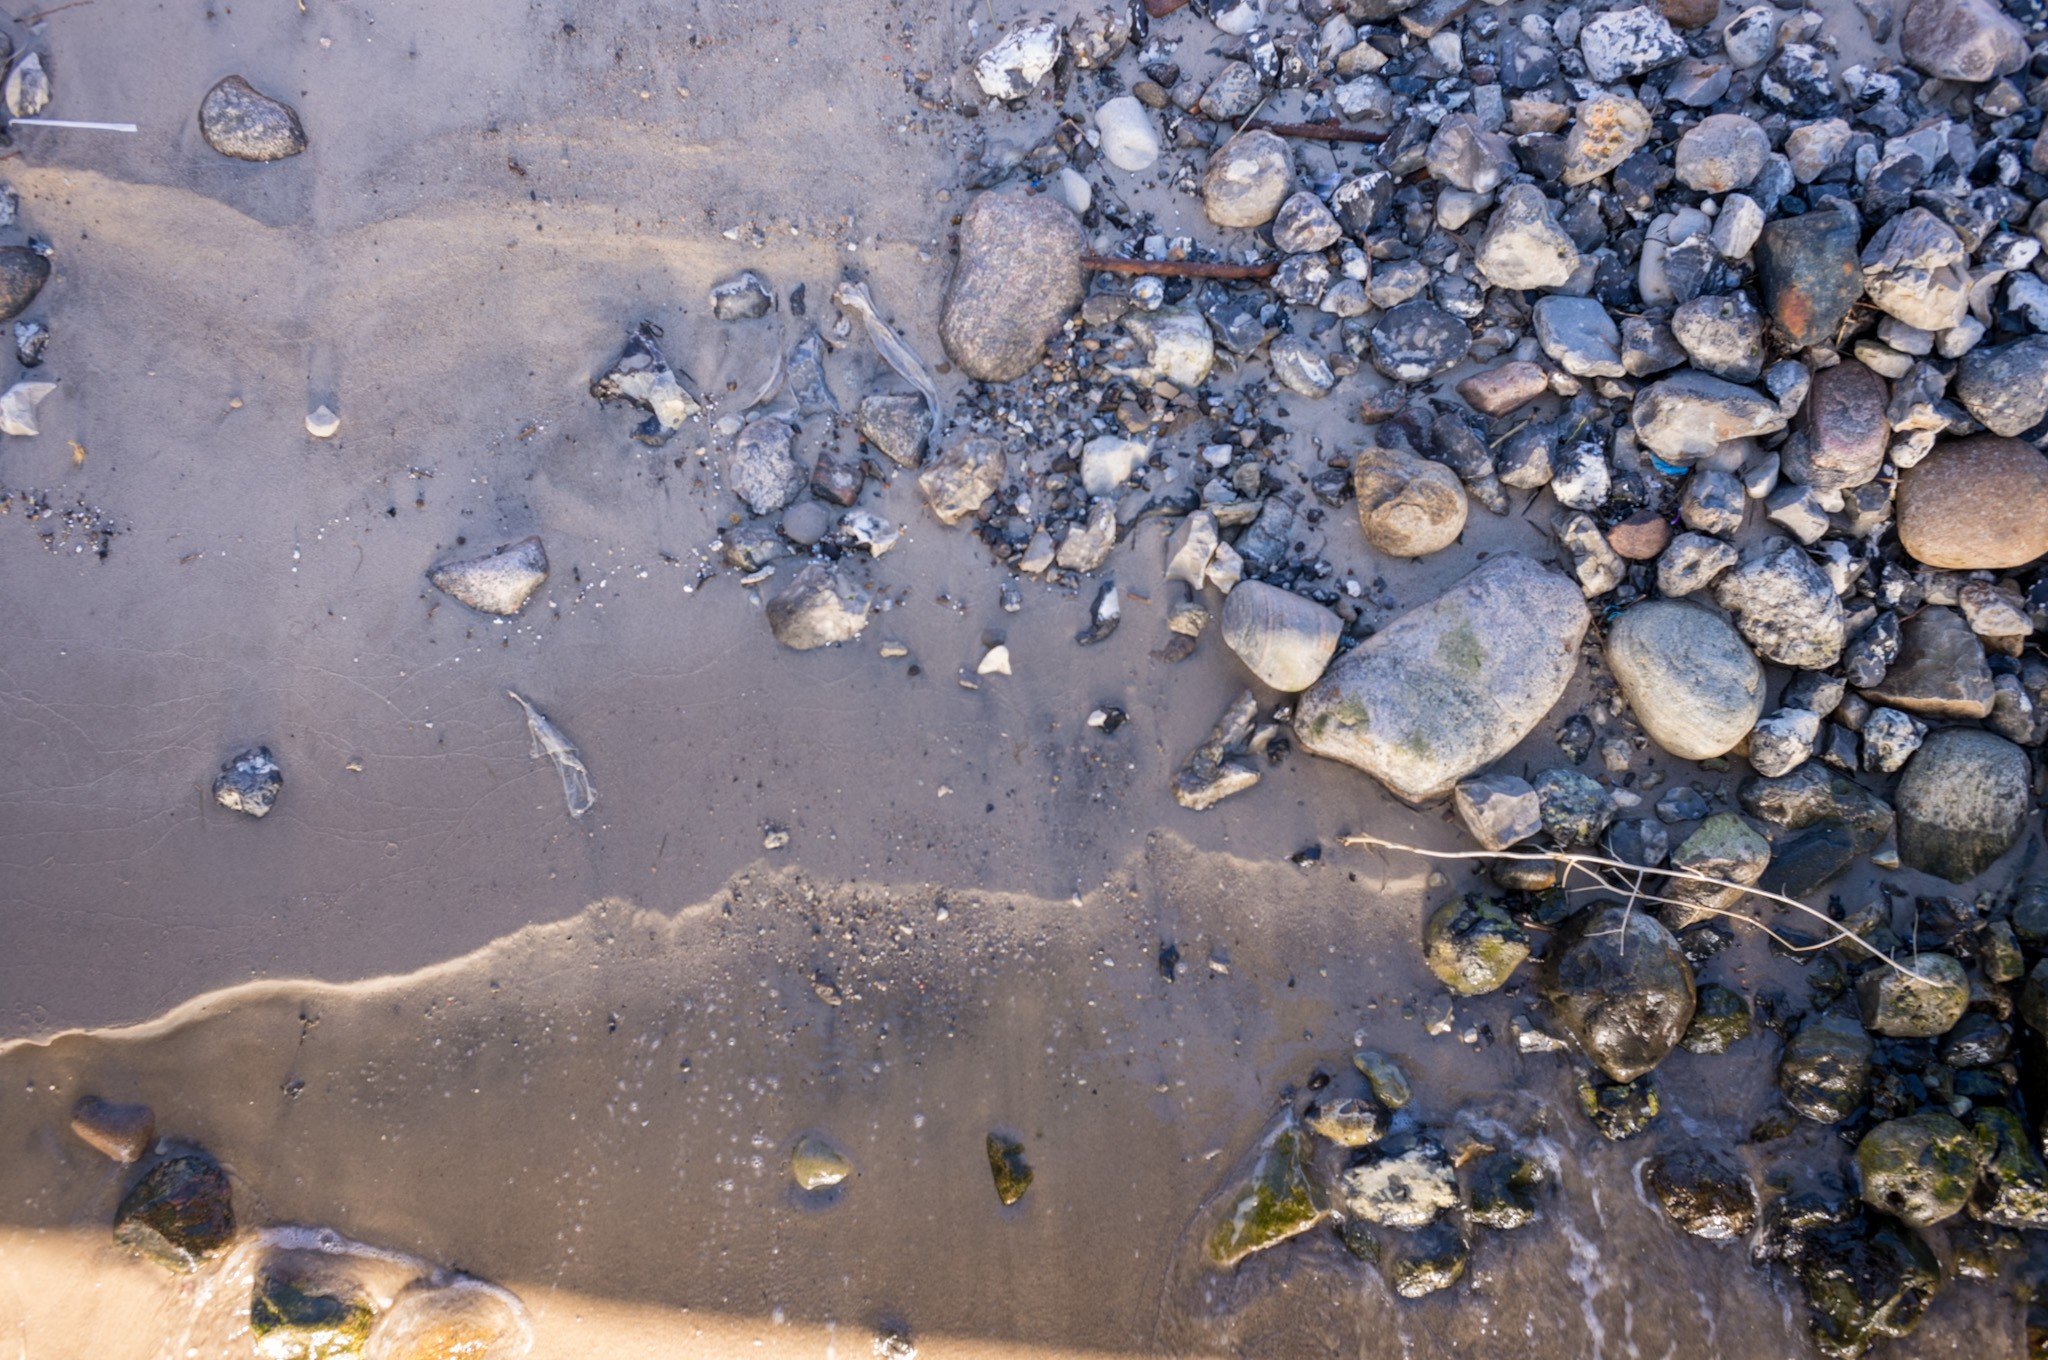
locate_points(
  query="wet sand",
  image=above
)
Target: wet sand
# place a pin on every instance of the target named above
(593, 1104)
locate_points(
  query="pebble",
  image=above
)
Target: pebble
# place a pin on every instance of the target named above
(762, 468)
(499, 582)
(1917, 269)
(1692, 563)
(1497, 391)
(249, 782)
(1621, 44)
(1720, 153)
(1304, 224)
(1723, 335)
(239, 121)
(963, 476)
(18, 407)
(1407, 506)
(1751, 37)
(2005, 386)
(1939, 670)
(1784, 741)
(1017, 281)
(1962, 803)
(1578, 333)
(743, 297)
(1919, 1169)
(1473, 946)
(1844, 436)
(1688, 678)
(179, 1214)
(1975, 504)
(818, 606)
(1606, 130)
(1523, 247)
(121, 1132)
(322, 422)
(1284, 639)
(1450, 686)
(1784, 606)
(1689, 416)
(897, 424)
(642, 377)
(1965, 40)
(1498, 810)
(1620, 984)
(23, 272)
(1417, 340)
(1247, 180)
(1810, 275)
(1011, 68)
(1825, 1070)
(1900, 1005)
(1128, 140)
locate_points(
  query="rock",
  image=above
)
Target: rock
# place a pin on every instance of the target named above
(1621, 44)
(1523, 246)
(819, 605)
(1248, 178)
(1389, 1085)
(1867, 1279)
(1006, 1164)
(1016, 64)
(744, 297)
(1417, 340)
(1720, 153)
(322, 423)
(1473, 945)
(1809, 274)
(1128, 140)
(1220, 766)
(460, 1320)
(1962, 803)
(1620, 983)
(1283, 638)
(1940, 670)
(500, 581)
(1178, 344)
(1692, 563)
(1975, 504)
(1406, 1187)
(897, 424)
(1108, 462)
(1606, 130)
(1347, 1121)
(1825, 1071)
(28, 87)
(1720, 1020)
(249, 782)
(302, 1308)
(1279, 1199)
(239, 121)
(1845, 430)
(1640, 537)
(1702, 1194)
(179, 1213)
(1576, 810)
(1190, 547)
(1751, 37)
(1722, 334)
(1920, 1169)
(1500, 810)
(1783, 741)
(1017, 281)
(1497, 391)
(23, 273)
(762, 467)
(1737, 228)
(1784, 606)
(1300, 367)
(122, 1132)
(1812, 796)
(1450, 686)
(643, 378)
(1687, 676)
(1620, 1110)
(2012, 1191)
(1502, 1194)
(966, 474)
(1967, 40)
(1903, 1006)
(2005, 386)
(1419, 1263)
(18, 407)
(1087, 545)
(1304, 224)
(1579, 334)
(1407, 506)
(1917, 269)
(815, 1164)
(1722, 847)
(1688, 416)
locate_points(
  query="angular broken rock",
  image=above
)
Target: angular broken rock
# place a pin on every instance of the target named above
(1247, 180)
(1687, 676)
(179, 1213)
(250, 782)
(1408, 506)
(1011, 68)
(240, 121)
(2005, 386)
(23, 272)
(1621, 44)
(1450, 686)
(1809, 274)
(1285, 639)
(18, 407)
(897, 424)
(1917, 269)
(1688, 416)
(122, 1132)
(1940, 671)
(1524, 247)
(1018, 279)
(1785, 606)
(818, 606)
(1500, 810)
(1975, 504)
(762, 468)
(1221, 765)
(967, 473)
(500, 581)
(643, 378)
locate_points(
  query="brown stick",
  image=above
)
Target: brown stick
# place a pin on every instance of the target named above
(1159, 9)
(1180, 269)
(1322, 132)
(46, 13)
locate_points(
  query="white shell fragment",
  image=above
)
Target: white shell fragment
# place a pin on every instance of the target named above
(322, 423)
(18, 407)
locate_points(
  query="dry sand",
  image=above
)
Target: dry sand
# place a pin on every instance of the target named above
(494, 194)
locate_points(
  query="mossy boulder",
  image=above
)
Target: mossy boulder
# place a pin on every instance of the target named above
(1901, 1005)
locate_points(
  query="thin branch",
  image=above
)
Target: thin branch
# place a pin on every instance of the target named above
(54, 9)
(1318, 132)
(1180, 269)
(1837, 933)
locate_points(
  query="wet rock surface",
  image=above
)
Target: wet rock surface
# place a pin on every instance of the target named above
(1620, 983)
(250, 782)
(178, 1213)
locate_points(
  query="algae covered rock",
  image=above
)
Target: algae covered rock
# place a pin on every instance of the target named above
(1007, 1165)
(1702, 1194)
(179, 1213)
(1920, 1004)
(1620, 983)
(1920, 1169)
(1867, 1279)
(1473, 945)
(2013, 1189)
(299, 1314)
(1279, 1199)
(1399, 1186)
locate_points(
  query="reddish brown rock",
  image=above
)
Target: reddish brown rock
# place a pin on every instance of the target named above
(1977, 504)
(122, 1132)
(1498, 391)
(1689, 13)
(1640, 537)
(1845, 428)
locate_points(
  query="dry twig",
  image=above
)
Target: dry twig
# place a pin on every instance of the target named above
(1180, 269)
(1318, 132)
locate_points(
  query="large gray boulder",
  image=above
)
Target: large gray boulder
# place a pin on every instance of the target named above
(1961, 803)
(1692, 683)
(1018, 279)
(1452, 685)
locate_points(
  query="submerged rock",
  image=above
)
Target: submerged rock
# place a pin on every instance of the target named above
(815, 1164)
(1620, 983)
(818, 606)
(1278, 1200)
(23, 272)
(240, 121)
(2012, 1191)
(1961, 803)
(179, 1213)
(1473, 945)
(462, 1320)
(1720, 1020)
(1017, 281)
(1620, 1110)
(1347, 1121)
(1284, 639)
(1501, 1191)
(302, 1311)
(1687, 676)
(1920, 1169)
(1867, 1279)
(1007, 1166)
(1825, 1071)
(1702, 1194)
(500, 581)
(122, 1132)
(1404, 1187)
(250, 782)
(1452, 685)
